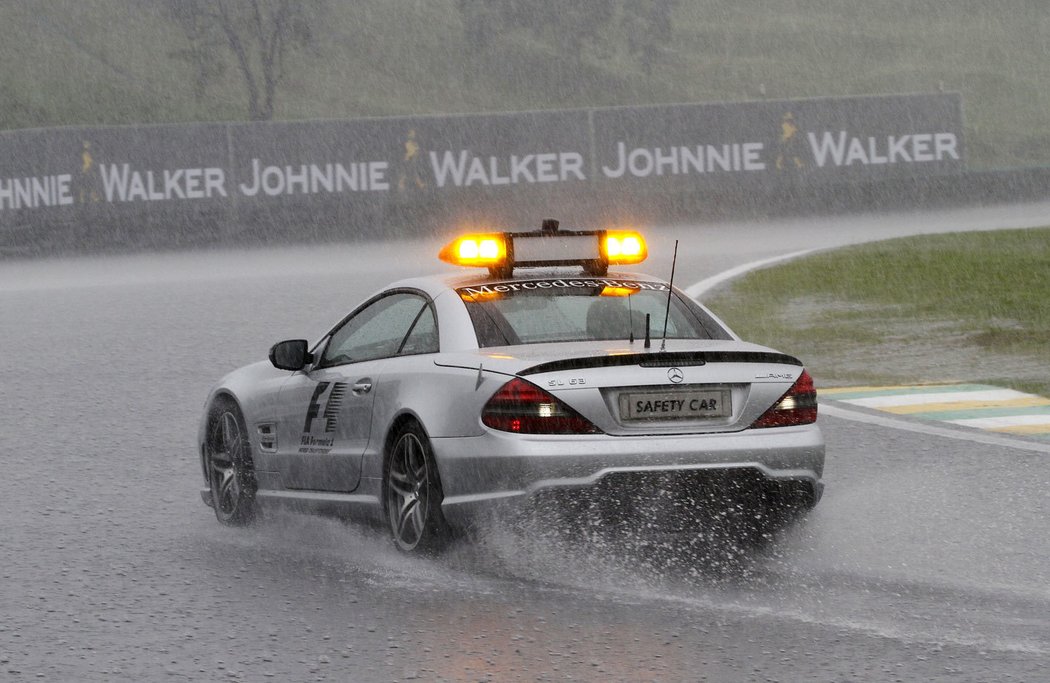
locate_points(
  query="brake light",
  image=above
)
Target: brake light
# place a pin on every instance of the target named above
(523, 408)
(796, 407)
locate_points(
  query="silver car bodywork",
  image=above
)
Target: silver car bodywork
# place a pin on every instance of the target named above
(478, 467)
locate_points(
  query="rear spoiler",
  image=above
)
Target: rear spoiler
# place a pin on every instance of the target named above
(663, 360)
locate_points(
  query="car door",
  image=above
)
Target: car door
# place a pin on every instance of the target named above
(325, 413)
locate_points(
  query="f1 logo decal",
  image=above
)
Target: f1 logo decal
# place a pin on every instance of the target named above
(331, 406)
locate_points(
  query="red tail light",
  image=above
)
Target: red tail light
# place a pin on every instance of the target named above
(523, 408)
(797, 407)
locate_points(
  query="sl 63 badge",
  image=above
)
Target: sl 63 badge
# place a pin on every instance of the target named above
(571, 382)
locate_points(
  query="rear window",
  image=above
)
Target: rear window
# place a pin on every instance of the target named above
(561, 310)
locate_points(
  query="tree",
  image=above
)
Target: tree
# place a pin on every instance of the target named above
(257, 34)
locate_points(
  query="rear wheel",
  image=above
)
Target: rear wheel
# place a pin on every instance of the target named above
(413, 493)
(231, 474)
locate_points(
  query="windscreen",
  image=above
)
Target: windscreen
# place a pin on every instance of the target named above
(567, 310)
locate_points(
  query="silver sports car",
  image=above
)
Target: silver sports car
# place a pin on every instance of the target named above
(549, 383)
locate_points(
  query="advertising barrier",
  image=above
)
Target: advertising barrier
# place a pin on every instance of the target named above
(100, 187)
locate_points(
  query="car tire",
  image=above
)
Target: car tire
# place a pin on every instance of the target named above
(413, 494)
(229, 466)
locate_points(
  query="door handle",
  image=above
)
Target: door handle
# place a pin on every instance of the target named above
(362, 387)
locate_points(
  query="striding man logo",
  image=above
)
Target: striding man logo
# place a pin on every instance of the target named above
(410, 171)
(789, 145)
(87, 181)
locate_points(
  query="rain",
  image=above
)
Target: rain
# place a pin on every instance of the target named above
(184, 183)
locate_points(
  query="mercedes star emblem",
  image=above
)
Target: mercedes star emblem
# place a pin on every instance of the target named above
(675, 375)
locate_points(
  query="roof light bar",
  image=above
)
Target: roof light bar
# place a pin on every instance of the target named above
(502, 252)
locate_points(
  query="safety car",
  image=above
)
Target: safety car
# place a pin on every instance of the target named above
(546, 382)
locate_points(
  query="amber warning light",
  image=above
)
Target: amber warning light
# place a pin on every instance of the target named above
(476, 250)
(502, 252)
(624, 247)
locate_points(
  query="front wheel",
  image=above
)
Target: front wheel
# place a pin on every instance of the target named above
(231, 474)
(413, 493)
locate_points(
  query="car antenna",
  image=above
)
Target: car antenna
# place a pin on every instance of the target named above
(670, 288)
(648, 343)
(630, 320)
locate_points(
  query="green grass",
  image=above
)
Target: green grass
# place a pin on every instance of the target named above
(69, 62)
(957, 307)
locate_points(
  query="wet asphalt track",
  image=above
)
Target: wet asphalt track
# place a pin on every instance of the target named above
(927, 559)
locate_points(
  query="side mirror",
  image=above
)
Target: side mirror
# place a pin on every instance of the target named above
(292, 354)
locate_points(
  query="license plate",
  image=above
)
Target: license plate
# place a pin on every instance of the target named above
(675, 405)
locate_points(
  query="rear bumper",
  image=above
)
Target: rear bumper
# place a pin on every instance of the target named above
(501, 468)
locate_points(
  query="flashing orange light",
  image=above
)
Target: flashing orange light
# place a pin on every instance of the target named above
(624, 247)
(483, 250)
(501, 252)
